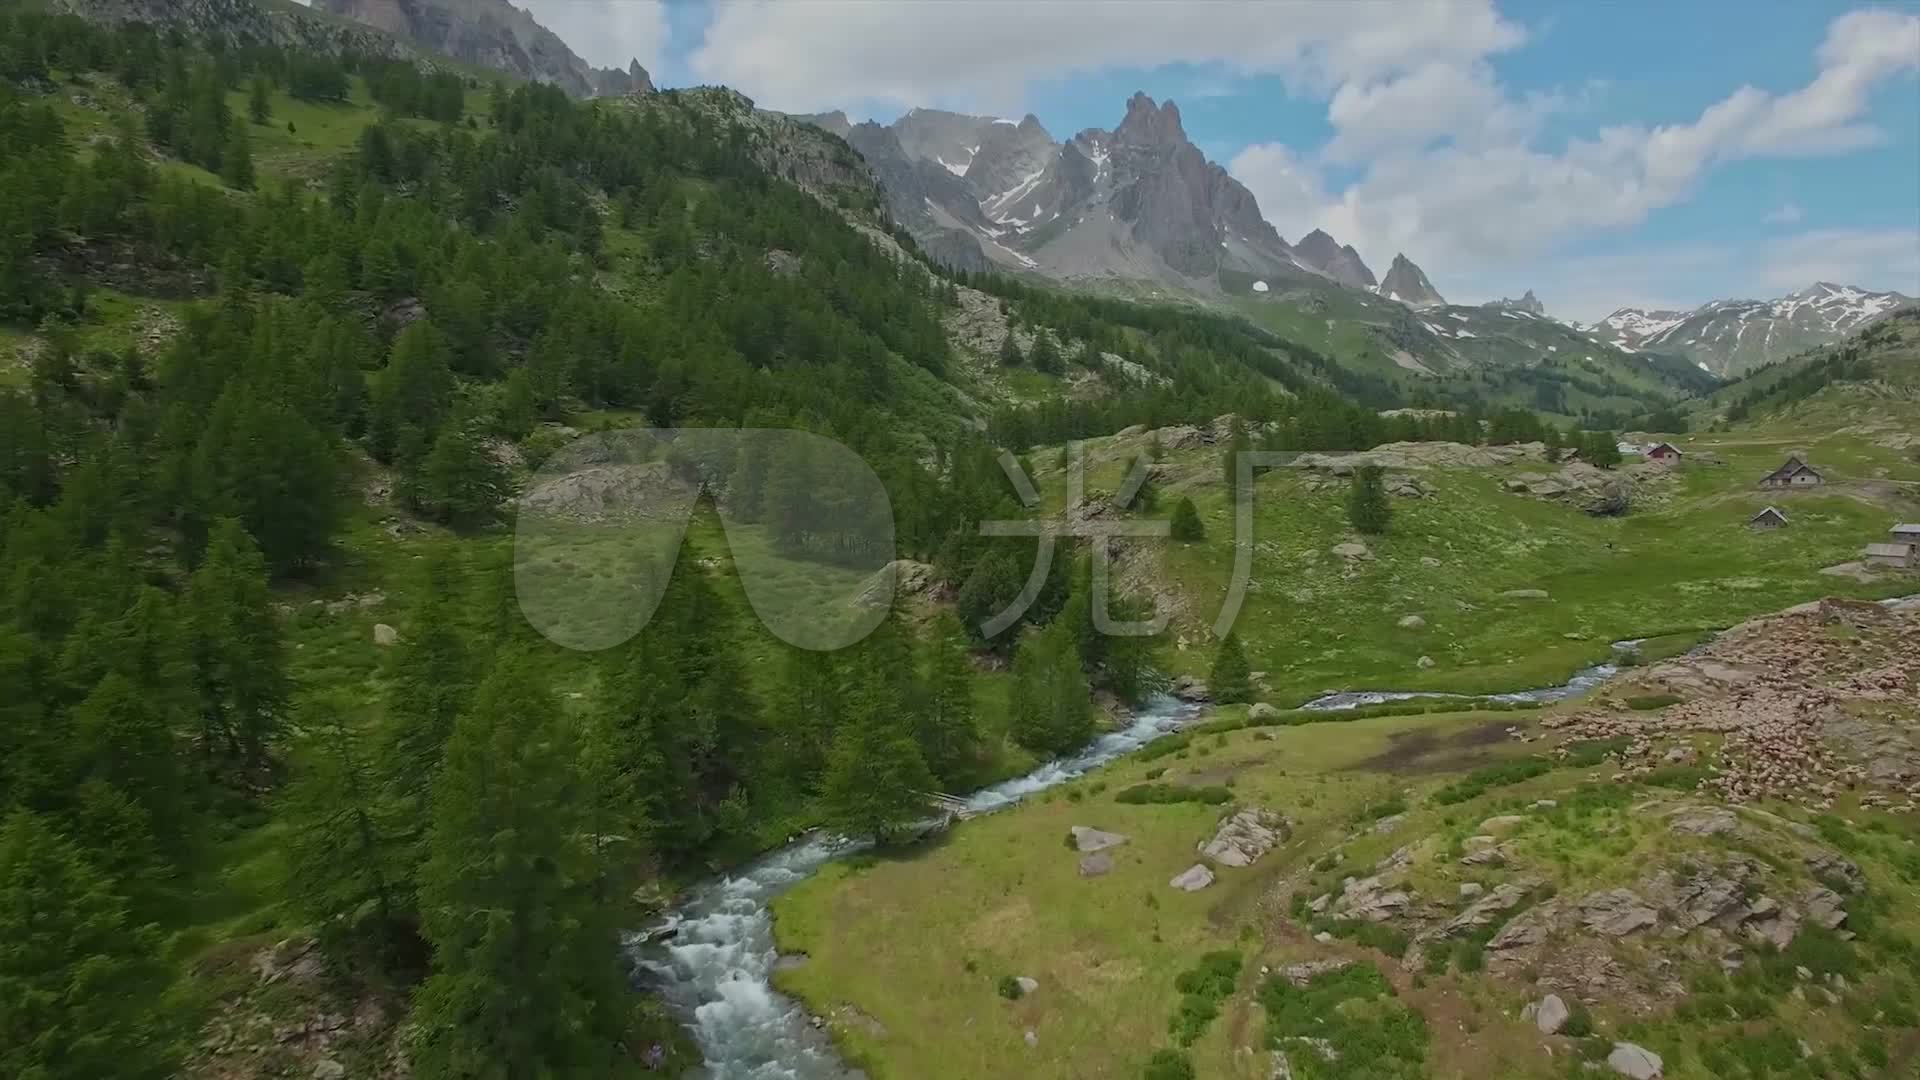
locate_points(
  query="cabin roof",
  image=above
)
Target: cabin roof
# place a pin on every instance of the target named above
(1771, 511)
(1656, 447)
(1895, 551)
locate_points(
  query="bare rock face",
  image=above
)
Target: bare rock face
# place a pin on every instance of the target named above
(1408, 284)
(493, 34)
(1337, 261)
(1616, 913)
(1371, 899)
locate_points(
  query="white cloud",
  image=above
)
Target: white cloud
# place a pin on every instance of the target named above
(608, 33)
(1872, 258)
(1485, 196)
(1785, 214)
(826, 53)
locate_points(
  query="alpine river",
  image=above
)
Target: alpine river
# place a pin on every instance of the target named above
(712, 958)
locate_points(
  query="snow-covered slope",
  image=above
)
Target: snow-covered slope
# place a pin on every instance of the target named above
(1729, 337)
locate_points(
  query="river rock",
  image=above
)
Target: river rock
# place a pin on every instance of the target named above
(1086, 840)
(1471, 889)
(1412, 622)
(1193, 879)
(1550, 1015)
(1424, 663)
(384, 635)
(1636, 1062)
(1099, 864)
(1245, 836)
(1189, 689)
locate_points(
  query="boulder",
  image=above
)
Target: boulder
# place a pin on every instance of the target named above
(1261, 711)
(1099, 864)
(1412, 622)
(1090, 840)
(1550, 1015)
(1193, 879)
(1027, 986)
(1824, 906)
(1189, 689)
(1429, 562)
(1245, 836)
(1471, 889)
(1635, 1062)
(1352, 550)
(385, 636)
(1423, 663)
(328, 1069)
(1503, 823)
(1525, 594)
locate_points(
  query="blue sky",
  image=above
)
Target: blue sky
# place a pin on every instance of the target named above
(1603, 154)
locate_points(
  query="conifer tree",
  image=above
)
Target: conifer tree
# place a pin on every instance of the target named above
(949, 734)
(260, 99)
(347, 862)
(236, 653)
(521, 986)
(1231, 681)
(1186, 526)
(876, 780)
(1367, 508)
(1010, 355)
(76, 996)
(1052, 705)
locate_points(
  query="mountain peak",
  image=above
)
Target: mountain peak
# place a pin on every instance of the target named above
(1322, 252)
(1408, 284)
(1528, 303)
(1149, 124)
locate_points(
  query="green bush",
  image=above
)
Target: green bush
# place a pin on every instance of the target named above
(1169, 1065)
(1649, 702)
(1501, 774)
(1009, 988)
(1203, 987)
(1157, 794)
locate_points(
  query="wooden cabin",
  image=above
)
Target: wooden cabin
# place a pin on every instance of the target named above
(1794, 474)
(1766, 520)
(1664, 453)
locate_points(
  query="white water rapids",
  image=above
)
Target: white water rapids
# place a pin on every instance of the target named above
(712, 958)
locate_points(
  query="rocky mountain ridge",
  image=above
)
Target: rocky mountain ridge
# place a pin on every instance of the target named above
(1730, 337)
(493, 34)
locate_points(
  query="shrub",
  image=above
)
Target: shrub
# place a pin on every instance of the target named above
(1648, 702)
(1159, 794)
(1009, 988)
(1502, 774)
(1169, 1065)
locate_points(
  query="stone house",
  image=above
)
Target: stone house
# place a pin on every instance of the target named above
(1767, 520)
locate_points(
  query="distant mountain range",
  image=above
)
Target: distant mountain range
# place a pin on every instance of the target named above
(1139, 204)
(1730, 337)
